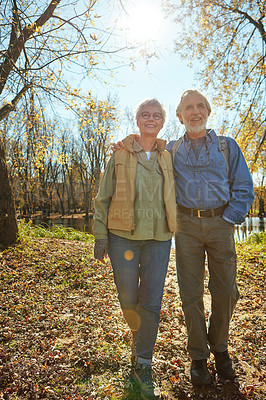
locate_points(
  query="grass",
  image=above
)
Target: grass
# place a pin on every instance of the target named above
(54, 231)
(257, 238)
(253, 247)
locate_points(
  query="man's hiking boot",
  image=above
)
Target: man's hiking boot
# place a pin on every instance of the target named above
(199, 373)
(224, 365)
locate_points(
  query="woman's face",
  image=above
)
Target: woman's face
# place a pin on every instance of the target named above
(150, 121)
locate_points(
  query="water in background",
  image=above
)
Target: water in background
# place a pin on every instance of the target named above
(250, 225)
(80, 224)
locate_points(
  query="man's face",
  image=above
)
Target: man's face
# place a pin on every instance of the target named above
(194, 114)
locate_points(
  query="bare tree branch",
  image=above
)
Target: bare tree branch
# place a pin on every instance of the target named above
(15, 48)
(11, 106)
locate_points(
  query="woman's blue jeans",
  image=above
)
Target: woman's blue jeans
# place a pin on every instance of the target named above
(140, 268)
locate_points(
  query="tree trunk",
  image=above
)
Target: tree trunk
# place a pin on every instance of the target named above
(8, 222)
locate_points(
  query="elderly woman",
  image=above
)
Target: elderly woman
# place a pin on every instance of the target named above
(134, 221)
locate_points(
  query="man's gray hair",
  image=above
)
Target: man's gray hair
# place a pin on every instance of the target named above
(150, 102)
(189, 91)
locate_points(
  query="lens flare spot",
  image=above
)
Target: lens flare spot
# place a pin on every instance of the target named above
(129, 255)
(132, 318)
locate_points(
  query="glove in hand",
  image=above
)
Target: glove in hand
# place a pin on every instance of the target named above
(100, 248)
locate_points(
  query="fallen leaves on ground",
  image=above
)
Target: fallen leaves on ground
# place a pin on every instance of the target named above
(62, 334)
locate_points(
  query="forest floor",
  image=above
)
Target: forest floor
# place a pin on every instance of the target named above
(62, 334)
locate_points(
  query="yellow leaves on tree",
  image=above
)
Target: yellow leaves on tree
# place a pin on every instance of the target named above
(229, 39)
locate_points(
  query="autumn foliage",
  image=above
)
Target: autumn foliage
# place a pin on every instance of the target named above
(228, 38)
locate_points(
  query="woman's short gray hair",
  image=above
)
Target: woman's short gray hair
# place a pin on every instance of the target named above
(189, 91)
(150, 102)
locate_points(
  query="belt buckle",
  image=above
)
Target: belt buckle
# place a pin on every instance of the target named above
(199, 211)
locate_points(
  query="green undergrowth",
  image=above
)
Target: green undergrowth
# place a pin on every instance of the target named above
(253, 249)
(27, 229)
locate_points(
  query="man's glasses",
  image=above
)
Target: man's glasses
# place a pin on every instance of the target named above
(147, 115)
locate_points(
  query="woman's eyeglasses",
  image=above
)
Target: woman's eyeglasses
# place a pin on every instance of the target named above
(147, 115)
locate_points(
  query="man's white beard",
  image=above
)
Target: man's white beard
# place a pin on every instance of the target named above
(196, 129)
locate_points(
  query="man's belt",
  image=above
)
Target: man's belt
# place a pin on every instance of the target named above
(212, 212)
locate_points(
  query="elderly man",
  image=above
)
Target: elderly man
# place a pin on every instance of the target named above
(214, 191)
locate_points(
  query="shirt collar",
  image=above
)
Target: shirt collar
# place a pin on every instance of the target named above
(210, 136)
(137, 148)
(160, 144)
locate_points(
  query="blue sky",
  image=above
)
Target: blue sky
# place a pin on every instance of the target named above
(165, 77)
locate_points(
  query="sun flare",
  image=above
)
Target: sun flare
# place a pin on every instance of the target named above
(143, 22)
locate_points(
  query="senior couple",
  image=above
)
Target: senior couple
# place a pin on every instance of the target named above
(135, 218)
